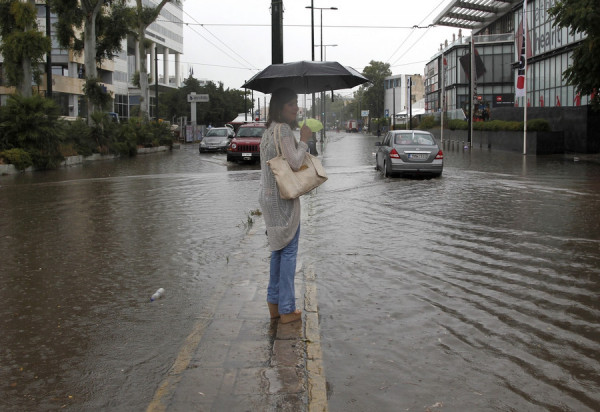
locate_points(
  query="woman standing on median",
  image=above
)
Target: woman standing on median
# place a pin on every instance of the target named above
(282, 217)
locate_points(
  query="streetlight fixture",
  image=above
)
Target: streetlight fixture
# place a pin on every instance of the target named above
(325, 46)
(313, 8)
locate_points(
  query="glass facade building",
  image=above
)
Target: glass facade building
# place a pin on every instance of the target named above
(497, 40)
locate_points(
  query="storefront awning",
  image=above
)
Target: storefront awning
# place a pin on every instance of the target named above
(473, 14)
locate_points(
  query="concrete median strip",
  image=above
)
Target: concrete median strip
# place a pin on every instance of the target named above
(235, 359)
(315, 373)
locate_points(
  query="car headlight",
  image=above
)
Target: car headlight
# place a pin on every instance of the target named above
(202, 143)
(233, 146)
(225, 142)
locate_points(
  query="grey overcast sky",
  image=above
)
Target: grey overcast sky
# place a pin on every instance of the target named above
(230, 40)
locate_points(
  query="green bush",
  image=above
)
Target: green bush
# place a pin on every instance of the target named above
(19, 158)
(428, 122)
(538, 125)
(457, 124)
(31, 124)
(79, 135)
(533, 125)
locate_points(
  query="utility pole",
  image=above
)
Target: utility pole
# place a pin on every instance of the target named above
(49, 55)
(276, 31)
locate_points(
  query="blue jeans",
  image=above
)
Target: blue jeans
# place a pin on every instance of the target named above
(281, 280)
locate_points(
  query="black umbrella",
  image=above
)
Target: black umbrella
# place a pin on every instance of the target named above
(305, 77)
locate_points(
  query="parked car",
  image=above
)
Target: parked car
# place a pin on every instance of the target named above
(409, 152)
(216, 139)
(245, 146)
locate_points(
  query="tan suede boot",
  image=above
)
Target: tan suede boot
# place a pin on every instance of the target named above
(291, 317)
(273, 310)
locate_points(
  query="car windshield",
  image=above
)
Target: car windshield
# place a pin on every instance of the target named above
(251, 131)
(412, 139)
(217, 132)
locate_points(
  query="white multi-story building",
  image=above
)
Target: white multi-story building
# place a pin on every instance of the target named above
(400, 97)
(68, 71)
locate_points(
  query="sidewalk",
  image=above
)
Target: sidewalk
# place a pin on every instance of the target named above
(236, 359)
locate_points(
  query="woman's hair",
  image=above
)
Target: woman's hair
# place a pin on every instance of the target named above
(278, 99)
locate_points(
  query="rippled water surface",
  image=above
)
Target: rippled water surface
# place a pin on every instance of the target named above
(475, 291)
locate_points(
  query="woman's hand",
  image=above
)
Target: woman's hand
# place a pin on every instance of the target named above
(305, 134)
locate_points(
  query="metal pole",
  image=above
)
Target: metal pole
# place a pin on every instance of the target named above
(443, 100)
(525, 27)
(322, 93)
(276, 31)
(410, 102)
(472, 74)
(312, 47)
(156, 80)
(49, 55)
(394, 105)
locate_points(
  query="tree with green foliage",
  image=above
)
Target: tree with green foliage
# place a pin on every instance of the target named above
(223, 105)
(96, 29)
(23, 46)
(374, 91)
(581, 16)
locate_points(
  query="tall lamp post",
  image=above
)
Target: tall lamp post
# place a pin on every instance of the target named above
(323, 103)
(313, 8)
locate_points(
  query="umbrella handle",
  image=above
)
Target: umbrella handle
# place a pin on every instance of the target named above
(304, 111)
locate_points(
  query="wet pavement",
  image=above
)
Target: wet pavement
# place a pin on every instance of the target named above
(233, 360)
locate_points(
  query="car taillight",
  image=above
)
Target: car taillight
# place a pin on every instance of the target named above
(440, 155)
(394, 154)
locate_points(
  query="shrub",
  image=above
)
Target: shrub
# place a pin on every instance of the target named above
(534, 125)
(31, 124)
(78, 134)
(428, 122)
(538, 125)
(19, 158)
(457, 124)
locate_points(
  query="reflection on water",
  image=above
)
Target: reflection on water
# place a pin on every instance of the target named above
(476, 291)
(84, 248)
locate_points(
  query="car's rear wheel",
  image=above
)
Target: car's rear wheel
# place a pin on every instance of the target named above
(386, 169)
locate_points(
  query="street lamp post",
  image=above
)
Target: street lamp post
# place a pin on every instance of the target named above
(313, 8)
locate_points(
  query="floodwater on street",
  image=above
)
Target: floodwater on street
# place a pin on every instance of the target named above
(475, 291)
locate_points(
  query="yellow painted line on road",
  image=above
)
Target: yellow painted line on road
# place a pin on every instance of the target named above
(167, 387)
(315, 371)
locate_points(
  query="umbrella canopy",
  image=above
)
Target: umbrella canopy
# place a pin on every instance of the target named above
(313, 124)
(305, 77)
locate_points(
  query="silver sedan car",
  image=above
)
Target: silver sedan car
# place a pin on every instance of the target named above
(409, 152)
(216, 140)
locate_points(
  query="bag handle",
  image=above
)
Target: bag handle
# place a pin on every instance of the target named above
(277, 140)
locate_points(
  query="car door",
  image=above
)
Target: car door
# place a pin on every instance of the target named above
(386, 147)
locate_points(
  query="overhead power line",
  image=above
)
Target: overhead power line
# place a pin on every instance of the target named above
(306, 25)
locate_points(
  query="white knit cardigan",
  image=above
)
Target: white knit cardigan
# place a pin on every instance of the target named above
(282, 217)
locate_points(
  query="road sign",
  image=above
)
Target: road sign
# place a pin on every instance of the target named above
(197, 98)
(364, 113)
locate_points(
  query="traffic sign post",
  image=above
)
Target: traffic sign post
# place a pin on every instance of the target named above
(194, 98)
